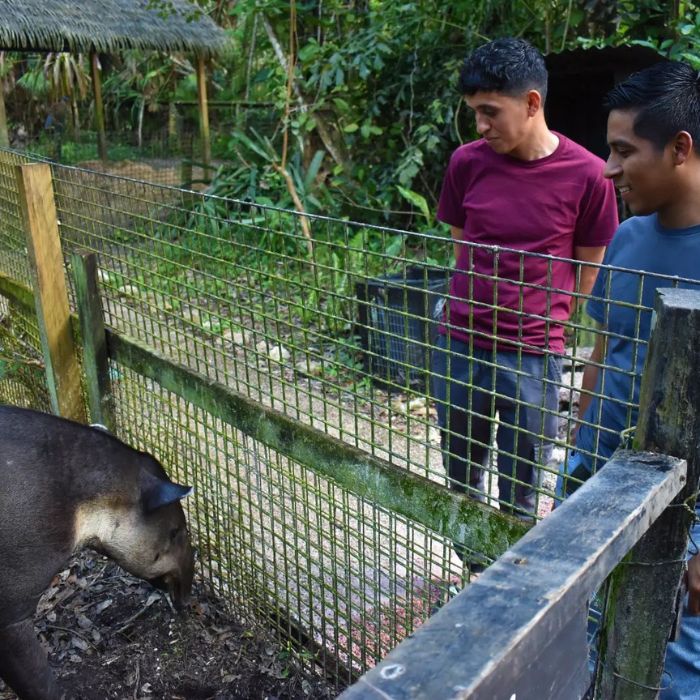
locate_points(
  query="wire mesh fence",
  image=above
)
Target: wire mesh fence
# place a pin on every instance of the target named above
(167, 150)
(355, 331)
(161, 157)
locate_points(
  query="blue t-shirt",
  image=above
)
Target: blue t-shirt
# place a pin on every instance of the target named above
(622, 301)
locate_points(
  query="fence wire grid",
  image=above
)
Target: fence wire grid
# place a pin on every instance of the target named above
(335, 325)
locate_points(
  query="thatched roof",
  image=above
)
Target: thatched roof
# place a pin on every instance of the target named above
(107, 26)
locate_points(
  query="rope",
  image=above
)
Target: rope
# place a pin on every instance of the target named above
(652, 688)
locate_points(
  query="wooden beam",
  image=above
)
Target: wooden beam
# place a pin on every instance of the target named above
(99, 106)
(643, 591)
(203, 114)
(17, 292)
(518, 631)
(50, 293)
(448, 513)
(95, 361)
(173, 140)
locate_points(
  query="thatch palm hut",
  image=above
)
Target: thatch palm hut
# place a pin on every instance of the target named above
(110, 26)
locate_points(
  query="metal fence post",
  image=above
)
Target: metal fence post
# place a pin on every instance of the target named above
(50, 293)
(95, 360)
(643, 591)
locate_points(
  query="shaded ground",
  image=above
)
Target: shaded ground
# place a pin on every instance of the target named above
(110, 635)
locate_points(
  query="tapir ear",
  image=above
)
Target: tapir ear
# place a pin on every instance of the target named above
(162, 493)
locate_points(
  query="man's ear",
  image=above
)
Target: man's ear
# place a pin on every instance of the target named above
(682, 146)
(534, 102)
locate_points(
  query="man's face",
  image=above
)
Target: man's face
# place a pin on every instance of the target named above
(642, 174)
(503, 120)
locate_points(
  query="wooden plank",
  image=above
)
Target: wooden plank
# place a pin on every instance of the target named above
(17, 292)
(489, 641)
(50, 294)
(643, 591)
(203, 114)
(449, 513)
(99, 106)
(95, 361)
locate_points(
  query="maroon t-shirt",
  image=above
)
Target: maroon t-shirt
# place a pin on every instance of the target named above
(518, 217)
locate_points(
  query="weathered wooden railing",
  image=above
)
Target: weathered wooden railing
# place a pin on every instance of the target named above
(519, 631)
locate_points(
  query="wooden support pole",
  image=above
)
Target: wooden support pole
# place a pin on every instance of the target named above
(643, 591)
(172, 126)
(95, 360)
(50, 293)
(4, 135)
(186, 172)
(99, 106)
(203, 114)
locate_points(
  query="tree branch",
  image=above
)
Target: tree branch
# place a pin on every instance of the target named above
(298, 205)
(324, 133)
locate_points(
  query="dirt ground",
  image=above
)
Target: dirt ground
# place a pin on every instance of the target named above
(110, 635)
(159, 171)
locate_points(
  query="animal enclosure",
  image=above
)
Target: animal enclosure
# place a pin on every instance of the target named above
(237, 350)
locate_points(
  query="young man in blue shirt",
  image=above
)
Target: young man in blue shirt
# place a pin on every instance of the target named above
(654, 162)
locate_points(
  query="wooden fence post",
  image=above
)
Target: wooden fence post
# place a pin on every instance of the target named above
(95, 360)
(643, 591)
(50, 293)
(99, 106)
(204, 115)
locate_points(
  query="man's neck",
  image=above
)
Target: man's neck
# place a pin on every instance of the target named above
(684, 210)
(540, 144)
(680, 215)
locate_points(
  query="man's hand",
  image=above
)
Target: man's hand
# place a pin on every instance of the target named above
(457, 236)
(693, 579)
(590, 372)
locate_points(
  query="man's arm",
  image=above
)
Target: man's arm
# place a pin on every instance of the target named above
(457, 235)
(590, 373)
(586, 275)
(694, 585)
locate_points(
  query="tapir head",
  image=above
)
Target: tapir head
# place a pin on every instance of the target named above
(144, 530)
(164, 537)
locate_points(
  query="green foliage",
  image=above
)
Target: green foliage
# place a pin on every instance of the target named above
(672, 29)
(373, 87)
(365, 127)
(72, 152)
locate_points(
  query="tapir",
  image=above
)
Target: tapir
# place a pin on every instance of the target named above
(65, 486)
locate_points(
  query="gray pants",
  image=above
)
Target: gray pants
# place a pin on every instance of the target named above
(471, 386)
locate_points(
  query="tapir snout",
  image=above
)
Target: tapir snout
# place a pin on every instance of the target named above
(64, 486)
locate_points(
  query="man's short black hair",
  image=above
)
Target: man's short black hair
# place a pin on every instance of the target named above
(666, 100)
(511, 66)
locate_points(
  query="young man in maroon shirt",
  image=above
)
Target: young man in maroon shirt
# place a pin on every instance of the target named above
(522, 202)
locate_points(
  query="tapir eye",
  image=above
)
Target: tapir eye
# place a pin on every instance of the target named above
(174, 533)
